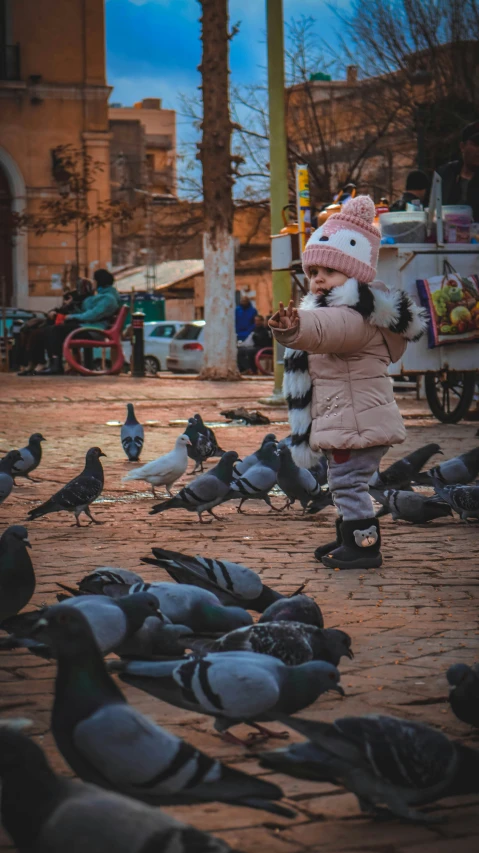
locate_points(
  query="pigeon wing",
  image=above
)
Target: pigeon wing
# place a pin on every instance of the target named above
(236, 686)
(81, 491)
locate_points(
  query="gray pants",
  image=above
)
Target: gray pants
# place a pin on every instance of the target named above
(348, 480)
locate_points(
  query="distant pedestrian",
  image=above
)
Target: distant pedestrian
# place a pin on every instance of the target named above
(244, 318)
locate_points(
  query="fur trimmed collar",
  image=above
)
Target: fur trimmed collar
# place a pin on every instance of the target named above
(393, 310)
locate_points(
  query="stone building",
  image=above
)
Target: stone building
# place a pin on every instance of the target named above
(53, 92)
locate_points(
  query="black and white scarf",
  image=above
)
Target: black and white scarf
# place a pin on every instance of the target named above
(391, 310)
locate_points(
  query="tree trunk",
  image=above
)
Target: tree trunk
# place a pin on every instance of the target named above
(214, 153)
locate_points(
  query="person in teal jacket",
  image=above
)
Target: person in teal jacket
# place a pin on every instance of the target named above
(96, 310)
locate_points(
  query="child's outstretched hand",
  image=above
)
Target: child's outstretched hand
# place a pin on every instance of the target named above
(285, 318)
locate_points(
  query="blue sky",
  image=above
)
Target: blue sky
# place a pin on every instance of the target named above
(153, 46)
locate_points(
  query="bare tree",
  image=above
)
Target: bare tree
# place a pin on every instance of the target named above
(214, 151)
(69, 211)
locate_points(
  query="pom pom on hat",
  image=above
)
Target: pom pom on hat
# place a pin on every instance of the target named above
(361, 207)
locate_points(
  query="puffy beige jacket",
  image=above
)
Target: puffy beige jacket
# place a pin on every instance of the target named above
(342, 396)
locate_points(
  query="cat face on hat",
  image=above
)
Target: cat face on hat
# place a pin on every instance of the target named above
(350, 242)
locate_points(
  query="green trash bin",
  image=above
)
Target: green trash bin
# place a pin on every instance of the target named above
(152, 306)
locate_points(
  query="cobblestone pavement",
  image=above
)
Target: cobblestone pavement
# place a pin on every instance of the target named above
(409, 620)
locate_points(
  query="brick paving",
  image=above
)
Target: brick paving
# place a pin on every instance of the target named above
(409, 620)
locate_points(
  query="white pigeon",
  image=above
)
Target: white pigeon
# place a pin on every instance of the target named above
(165, 470)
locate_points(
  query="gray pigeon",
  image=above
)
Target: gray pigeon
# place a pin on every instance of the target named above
(107, 742)
(247, 462)
(31, 457)
(462, 499)
(209, 434)
(204, 493)
(464, 692)
(203, 443)
(132, 435)
(382, 760)
(460, 470)
(410, 506)
(46, 813)
(113, 623)
(400, 474)
(100, 581)
(79, 493)
(297, 608)
(233, 583)
(292, 643)
(17, 578)
(320, 502)
(7, 465)
(258, 480)
(297, 483)
(233, 687)
(320, 471)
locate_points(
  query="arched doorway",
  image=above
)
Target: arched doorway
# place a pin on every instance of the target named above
(6, 240)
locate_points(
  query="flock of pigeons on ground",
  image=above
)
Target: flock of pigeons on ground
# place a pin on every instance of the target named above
(192, 642)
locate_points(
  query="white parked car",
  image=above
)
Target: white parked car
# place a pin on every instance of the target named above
(158, 336)
(186, 349)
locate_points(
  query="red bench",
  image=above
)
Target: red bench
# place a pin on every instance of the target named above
(106, 339)
(264, 361)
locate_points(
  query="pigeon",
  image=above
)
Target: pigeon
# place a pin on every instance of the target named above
(297, 608)
(462, 499)
(258, 480)
(17, 578)
(209, 434)
(320, 502)
(232, 583)
(7, 465)
(297, 483)
(320, 471)
(464, 692)
(113, 623)
(132, 435)
(203, 445)
(165, 470)
(233, 687)
(460, 470)
(79, 493)
(43, 812)
(292, 643)
(410, 506)
(106, 578)
(31, 457)
(204, 493)
(382, 760)
(400, 474)
(109, 743)
(245, 464)
(181, 604)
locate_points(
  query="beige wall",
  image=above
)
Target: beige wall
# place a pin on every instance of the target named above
(64, 43)
(157, 122)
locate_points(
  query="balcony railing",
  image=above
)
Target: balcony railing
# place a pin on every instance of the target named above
(9, 62)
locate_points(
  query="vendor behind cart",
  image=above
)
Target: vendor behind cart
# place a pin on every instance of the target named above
(417, 191)
(460, 178)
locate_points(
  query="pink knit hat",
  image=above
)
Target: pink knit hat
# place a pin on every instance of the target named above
(348, 241)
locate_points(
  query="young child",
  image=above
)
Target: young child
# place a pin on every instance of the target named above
(336, 381)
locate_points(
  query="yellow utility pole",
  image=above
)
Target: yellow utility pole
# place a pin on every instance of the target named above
(278, 157)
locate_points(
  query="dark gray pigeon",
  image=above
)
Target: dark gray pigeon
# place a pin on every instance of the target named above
(320, 471)
(400, 474)
(247, 462)
(460, 470)
(410, 506)
(99, 581)
(297, 483)
(464, 692)
(132, 435)
(46, 813)
(382, 760)
(17, 578)
(107, 742)
(79, 493)
(297, 608)
(209, 434)
(7, 465)
(204, 493)
(462, 499)
(292, 643)
(202, 446)
(258, 480)
(31, 457)
(233, 687)
(233, 583)
(320, 502)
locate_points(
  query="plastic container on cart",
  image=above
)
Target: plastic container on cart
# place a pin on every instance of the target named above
(457, 220)
(404, 227)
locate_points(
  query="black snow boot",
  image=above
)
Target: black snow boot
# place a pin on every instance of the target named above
(325, 549)
(361, 541)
